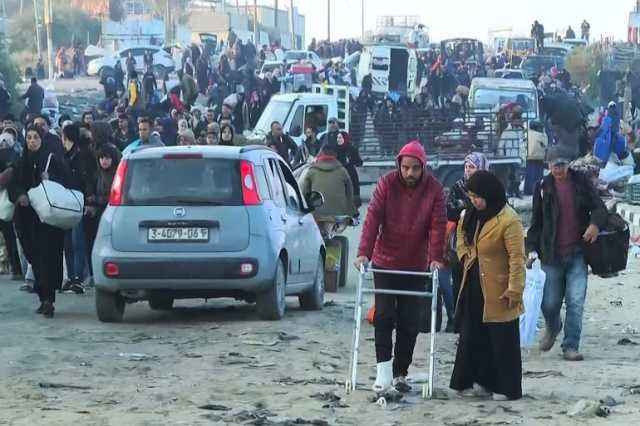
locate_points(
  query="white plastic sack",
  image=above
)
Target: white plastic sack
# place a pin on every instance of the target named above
(615, 173)
(6, 206)
(56, 205)
(532, 299)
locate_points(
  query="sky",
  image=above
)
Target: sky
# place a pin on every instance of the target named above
(471, 18)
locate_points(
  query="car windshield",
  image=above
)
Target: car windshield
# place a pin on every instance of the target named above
(154, 182)
(493, 98)
(275, 111)
(534, 65)
(295, 56)
(522, 44)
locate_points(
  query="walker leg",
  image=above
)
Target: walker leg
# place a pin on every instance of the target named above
(432, 352)
(351, 383)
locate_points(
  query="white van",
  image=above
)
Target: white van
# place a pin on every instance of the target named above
(392, 68)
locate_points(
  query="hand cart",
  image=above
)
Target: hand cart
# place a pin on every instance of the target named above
(351, 382)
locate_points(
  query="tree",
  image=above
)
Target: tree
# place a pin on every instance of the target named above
(8, 69)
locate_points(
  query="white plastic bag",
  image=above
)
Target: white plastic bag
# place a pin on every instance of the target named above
(6, 206)
(532, 298)
(56, 205)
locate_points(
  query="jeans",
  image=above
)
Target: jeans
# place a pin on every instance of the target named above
(446, 292)
(566, 280)
(75, 253)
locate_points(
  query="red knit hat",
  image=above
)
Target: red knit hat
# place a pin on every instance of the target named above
(413, 149)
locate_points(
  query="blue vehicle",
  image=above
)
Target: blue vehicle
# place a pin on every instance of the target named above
(207, 222)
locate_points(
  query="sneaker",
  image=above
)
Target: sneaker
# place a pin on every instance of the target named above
(40, 309)
(572, 355)
(467, 393)
(401, 384)
(480, 391)
(77, 288)
(66, 286)
(499, 397)
(548, 339)
(28, 287)
(47, 309)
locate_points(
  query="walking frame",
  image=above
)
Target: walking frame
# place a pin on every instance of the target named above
(351, 383)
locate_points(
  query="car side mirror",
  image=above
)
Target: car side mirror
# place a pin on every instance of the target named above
(315, 200)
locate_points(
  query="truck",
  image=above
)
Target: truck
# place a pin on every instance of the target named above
(393, 67)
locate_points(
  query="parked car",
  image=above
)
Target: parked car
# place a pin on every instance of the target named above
(163, 62)
(207, 222)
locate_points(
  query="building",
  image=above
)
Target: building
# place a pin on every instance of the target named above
(634, 25)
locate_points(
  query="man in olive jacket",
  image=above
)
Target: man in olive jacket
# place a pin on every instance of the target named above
(567, 214)
(327, 176)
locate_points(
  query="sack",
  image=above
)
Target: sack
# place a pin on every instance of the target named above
(56, 205)
(537, 145)
(609, 253)
(532, 300)
(7, 208)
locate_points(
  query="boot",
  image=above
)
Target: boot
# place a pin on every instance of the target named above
(384, 376)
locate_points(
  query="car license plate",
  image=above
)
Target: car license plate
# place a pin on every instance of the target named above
(178, 234)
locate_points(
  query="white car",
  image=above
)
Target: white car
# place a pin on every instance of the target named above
(296, 56)
(163, 63)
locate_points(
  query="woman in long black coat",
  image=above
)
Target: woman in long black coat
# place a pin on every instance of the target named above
(43, 244)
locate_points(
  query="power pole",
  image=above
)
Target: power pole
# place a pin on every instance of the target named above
(329, 20)
(167, 23)
(256, 40)
(363, 21)
(48, 22)
(38, 42)
(292, 25)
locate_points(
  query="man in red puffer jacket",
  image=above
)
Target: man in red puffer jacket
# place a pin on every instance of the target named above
(404, 230)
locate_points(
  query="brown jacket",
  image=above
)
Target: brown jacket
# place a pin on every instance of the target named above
(499, 250)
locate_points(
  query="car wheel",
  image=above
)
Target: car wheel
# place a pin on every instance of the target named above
(161, 302)
(344, 260)
(313, 299)
(271, 303)
(109, 306)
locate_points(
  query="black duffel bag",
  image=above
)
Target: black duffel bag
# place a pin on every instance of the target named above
(608, 255)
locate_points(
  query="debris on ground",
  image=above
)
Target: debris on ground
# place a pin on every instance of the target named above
(589, 408)
(49, 385)
(625, 341)
(137, 356)
(214, 407)
(542, 374)
(325, 367)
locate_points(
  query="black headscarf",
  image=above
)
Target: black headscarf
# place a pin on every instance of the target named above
(486, 185)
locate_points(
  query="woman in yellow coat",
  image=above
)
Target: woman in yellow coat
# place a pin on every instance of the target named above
(491, 248)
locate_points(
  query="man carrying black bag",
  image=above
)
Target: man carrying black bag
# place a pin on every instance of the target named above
(567, 215)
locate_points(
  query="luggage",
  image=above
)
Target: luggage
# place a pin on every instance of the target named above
(608, 255)
(532, 300)
(56, 205)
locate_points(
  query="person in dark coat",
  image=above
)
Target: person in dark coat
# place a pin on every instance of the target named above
(490, 244)
(5, 100)
(9, 156)
(42, 244)
(82, 164)
(202, 74)
(118, 76)
(349, 157)
(282, 143)
(51, 140)
(35, 97)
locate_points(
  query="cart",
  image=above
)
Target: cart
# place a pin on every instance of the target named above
(337, 246)
(351, 382)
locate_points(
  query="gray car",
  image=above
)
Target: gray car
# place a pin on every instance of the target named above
(207, 222)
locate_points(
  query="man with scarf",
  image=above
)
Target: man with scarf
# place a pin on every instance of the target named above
(490, 244)
(404, 230)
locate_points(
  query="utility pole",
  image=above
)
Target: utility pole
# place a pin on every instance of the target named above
(329, 20)
(48, 22)
(256, 40)
(363, 21)
(167, 23)
(275, 23)
(292, 26)
(38, 42)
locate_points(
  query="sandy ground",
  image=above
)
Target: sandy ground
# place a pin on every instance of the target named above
(216, 363)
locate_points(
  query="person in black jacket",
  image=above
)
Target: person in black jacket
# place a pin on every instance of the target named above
(567, 215)
(349, 157)
(43, 244)
(83, 171)
(5, 100)
(35, 97)
(8, 158)
(282, 143)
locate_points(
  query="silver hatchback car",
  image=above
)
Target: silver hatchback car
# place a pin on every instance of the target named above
(207, 222)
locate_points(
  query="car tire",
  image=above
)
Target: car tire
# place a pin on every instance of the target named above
(271, 303)
(161, 302)
(344, 260)
(313, 299)
(109, 306)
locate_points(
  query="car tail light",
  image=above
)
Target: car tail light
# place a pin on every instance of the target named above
(250, 193)
(111, 269)
(246, 269)
(117, 188)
